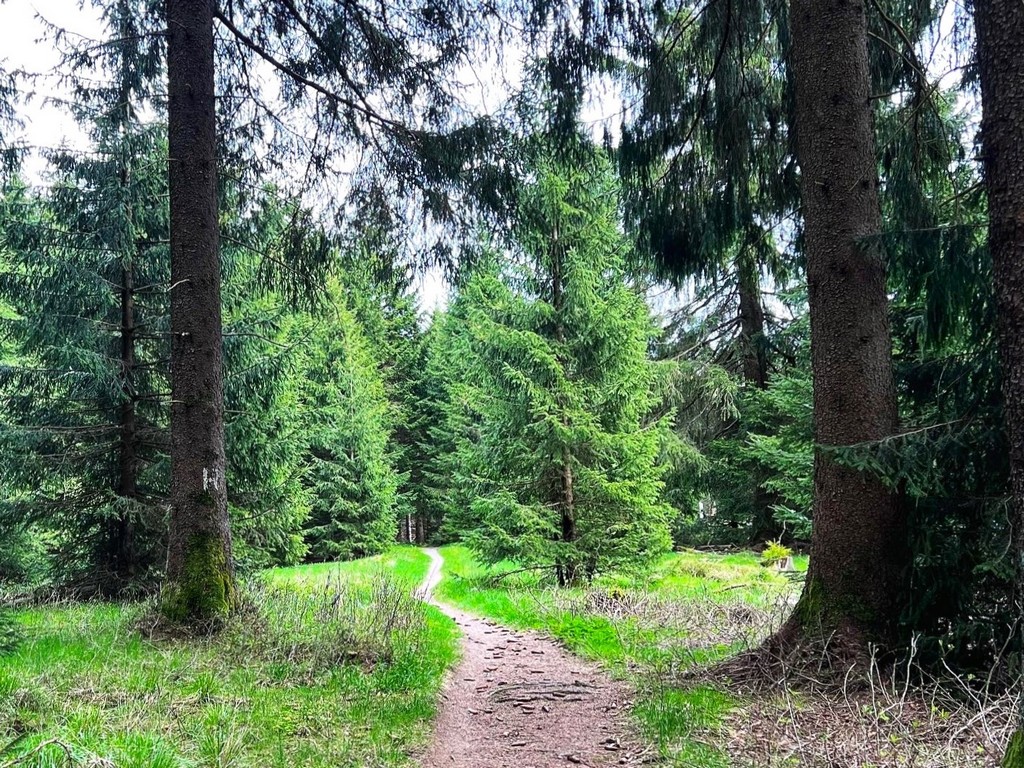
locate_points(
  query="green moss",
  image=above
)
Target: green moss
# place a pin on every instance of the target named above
(810, 609)
(818, 610)
(1014, 757)
(206, 590)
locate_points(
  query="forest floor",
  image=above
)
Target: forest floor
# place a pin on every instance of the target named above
(339, 665)
(328, 665)
(663, 636)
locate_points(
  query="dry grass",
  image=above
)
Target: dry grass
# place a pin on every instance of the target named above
(899, 720)
(891, 717)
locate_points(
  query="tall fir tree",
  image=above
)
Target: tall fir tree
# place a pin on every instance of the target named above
(200, 580)
(352, 483)
(564, 461)
(858, 540)
(86, 275)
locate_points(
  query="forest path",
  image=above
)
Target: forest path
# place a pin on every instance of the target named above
(519, 700)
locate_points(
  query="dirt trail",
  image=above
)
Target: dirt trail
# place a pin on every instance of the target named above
(518, 700)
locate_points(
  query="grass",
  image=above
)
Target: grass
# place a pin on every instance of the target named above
(693, 608)
(336, 666)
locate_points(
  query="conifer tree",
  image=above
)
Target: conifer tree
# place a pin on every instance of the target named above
(859, 534)
(352, 483)
(86, 278)
(564, 462)
(200, 581)
(379, 293)
(1000, 29)
(446, 425)
(86, 275)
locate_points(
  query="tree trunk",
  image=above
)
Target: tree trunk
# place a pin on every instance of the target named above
(568, 507)
(755, 373)
(1000, 30)
(122, 555)
(567, 567)
(858, 539)
(200, 571)
(755, 362)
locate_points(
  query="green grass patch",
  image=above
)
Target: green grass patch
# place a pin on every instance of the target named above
(692, 608)
(329, 665)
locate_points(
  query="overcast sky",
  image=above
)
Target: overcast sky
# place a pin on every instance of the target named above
(23, 48)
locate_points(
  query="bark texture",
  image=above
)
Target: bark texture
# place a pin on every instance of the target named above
(858, 540)
(1000, 30)
(565, 501)
(122, 556)
(200, 572)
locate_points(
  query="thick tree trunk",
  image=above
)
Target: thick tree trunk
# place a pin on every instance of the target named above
(1000, 29)
(858, 540)
(200, 572)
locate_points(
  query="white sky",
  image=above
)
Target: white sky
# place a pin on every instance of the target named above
(21, 33)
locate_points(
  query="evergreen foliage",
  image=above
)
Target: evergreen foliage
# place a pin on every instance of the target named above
(559, 390)
(349, 474)
(541, 416)
(85, 385)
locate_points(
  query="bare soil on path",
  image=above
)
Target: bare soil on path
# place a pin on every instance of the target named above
(519, 700)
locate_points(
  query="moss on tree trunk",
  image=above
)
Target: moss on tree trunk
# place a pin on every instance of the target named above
(1014, 757)
(205, 589)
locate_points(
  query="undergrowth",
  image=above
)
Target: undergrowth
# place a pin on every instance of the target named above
(667, 632)
(327, 665)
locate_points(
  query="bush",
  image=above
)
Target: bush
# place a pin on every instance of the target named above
(775, 554)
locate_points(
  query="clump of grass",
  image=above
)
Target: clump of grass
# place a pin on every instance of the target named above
(322, 625)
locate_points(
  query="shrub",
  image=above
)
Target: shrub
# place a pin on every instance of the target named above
(775, 554)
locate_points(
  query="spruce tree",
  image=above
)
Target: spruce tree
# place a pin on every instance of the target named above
(564, 461)
(443, 427)
(200, 581)
(379, 288)
(1000, 29)
(859, 535)
(85, 277)
(352, 484)
(87, 265)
